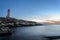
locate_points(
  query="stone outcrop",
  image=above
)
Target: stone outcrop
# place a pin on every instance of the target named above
(16, 22)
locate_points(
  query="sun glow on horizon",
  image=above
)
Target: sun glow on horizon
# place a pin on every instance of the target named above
(50, 18)
(55, 17)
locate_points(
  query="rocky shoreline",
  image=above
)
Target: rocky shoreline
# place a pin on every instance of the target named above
(12, 22)
(6, 24)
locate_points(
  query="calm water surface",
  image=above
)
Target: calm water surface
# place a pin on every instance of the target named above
(33, 32)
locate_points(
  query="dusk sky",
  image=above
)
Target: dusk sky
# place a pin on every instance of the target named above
(31, 9)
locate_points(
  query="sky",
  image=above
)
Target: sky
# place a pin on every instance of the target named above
(35, 10)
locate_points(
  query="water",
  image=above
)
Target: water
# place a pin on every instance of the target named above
(33, 32)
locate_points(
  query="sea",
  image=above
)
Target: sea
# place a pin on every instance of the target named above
(33, 32)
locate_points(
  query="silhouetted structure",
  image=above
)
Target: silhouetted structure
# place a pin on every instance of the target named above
(8, 14)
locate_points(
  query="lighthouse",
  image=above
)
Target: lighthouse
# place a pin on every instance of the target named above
(8, 14)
